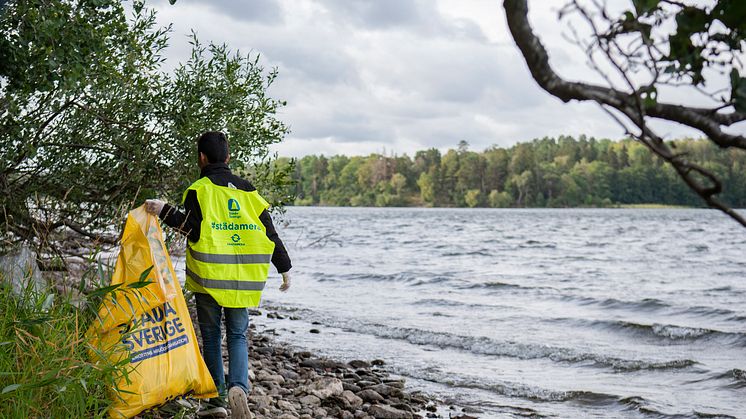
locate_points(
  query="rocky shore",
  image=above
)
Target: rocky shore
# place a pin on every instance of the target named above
(288, 383)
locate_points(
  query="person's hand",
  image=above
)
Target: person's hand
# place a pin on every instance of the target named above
(285, 281)
(154, 206)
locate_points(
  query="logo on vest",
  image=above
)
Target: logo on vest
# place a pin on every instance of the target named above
(233, 209)
(236, 238)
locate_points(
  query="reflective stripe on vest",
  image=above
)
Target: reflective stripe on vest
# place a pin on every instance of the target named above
(225, 284)
(230, 261)
(229, 258)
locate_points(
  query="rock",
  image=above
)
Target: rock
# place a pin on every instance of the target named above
(20, 270)
(350, 399)
(346, 415)
(471, 410)
(287, 416)
(370, 396)
(285, 405)
(464, 417)
(319, 412)
(255, 312)
(386, 391)
(309, 400)
(377, 362)
(319, 364)
(358, 364)
(325, 387)
(289, 374)
(388, 412)
(352, 387)
(394, 383)
(260, 401)
(315, 331)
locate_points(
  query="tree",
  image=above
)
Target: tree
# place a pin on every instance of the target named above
(637, 56)
(92, 124)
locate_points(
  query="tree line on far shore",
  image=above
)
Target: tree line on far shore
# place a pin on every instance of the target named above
(547, 172)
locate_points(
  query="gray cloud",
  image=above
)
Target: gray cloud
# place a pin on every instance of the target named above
(401, 75)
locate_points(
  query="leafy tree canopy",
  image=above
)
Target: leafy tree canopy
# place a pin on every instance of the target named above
(91, 123)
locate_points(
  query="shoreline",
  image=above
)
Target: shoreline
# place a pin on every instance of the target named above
(289, 382)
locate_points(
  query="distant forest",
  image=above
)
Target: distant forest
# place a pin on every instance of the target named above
(547, 172)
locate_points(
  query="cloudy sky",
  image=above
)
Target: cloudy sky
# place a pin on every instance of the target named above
(364, 76)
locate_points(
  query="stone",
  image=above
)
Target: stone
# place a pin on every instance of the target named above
(325, 387)
(319, 412)
(350, 399)
(315, 331)
(388, 412)
(377, 362)
(19, 269)
(358, 364)
(370, 396)
(289, 374)
(309, 400)
(346, 415)
(386, 391)
(352, 387)
(319, 364)
(261, 401)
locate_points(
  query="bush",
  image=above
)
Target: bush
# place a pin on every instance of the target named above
(45, 364)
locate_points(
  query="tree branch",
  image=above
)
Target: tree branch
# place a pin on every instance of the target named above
(705, 120)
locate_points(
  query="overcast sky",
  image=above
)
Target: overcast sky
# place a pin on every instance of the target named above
(364, 76)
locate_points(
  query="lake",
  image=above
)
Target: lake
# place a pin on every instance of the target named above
(544, 312)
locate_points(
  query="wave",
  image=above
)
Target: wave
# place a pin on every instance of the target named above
(641, 405)
(656, 305)
(511, 389)
(646, 304)
(735, 377)
(503, 285)
(486, 346)
(665, 332)
(472, 253)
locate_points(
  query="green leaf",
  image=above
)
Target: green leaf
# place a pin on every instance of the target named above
(645, 6)
(738, 91)
(10, 388)
(145, 273)
(650, 97)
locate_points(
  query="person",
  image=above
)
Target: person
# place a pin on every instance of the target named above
(231, 241)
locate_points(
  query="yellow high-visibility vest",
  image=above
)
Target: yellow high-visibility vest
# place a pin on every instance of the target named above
(230, 261)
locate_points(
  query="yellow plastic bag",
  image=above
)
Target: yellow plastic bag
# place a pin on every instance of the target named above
(149, 324)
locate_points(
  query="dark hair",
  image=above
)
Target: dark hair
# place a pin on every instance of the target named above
(214, 145)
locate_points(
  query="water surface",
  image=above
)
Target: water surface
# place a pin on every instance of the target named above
(557, 313)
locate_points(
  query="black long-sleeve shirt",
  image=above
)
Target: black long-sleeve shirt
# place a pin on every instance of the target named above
(189, 222)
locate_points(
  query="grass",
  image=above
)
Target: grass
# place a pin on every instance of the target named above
(45, 365)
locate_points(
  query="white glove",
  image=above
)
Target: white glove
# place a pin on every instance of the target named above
(285, 281)
(154, 206)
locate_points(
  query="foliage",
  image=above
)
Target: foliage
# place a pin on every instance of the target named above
(91, 123)
(45, 363)
(547, 172)
(654, 60)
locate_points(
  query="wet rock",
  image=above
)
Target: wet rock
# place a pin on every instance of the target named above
(386, 391)
(319, 364)
(315, 331)
(358, 364)
(388, 412)
(377, 362)
(370, 396)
